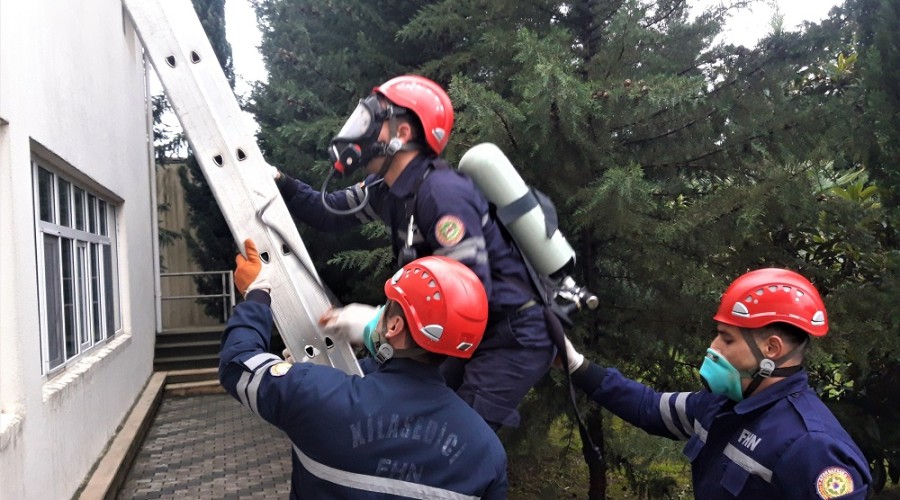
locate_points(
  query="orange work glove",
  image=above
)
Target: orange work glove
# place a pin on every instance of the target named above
(250, 274)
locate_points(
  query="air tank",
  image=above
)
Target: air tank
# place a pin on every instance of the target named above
(518, 207)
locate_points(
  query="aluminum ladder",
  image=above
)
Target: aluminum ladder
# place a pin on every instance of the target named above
(236, 171)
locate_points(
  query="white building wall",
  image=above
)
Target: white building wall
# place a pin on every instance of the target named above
(72, 90)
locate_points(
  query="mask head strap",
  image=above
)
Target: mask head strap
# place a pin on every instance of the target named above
(394, 145)
(378, 348)
(769, 367)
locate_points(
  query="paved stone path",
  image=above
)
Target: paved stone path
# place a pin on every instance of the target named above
(209, 447)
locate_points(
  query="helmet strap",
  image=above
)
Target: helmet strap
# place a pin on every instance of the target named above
(769, 367)
(412, 352)
(394, 145)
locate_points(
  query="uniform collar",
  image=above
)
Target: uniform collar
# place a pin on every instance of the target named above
(406, 182)
(415, 369)
(779, 390)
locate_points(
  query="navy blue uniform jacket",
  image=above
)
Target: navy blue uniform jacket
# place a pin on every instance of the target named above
(398, 432)
(782, 442)
(451, 219)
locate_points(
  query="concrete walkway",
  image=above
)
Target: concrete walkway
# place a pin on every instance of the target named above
(209, 447)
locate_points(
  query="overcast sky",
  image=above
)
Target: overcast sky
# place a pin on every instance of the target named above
(745, 28)
(749, 26)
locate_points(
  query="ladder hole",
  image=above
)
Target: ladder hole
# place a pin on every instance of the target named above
(170, 61)
(241, 155)
(195, 57)
(329, 343)
(218, 160)
(285, 250)
(264, 256)
(310, 351)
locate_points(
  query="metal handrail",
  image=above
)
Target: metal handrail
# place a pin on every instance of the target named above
(227, 294)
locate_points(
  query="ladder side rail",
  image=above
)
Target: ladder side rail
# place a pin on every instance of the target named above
(235, 169)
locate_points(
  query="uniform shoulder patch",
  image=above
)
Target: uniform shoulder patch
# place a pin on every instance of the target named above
(280, 369)
(834, 482)
(449, 230)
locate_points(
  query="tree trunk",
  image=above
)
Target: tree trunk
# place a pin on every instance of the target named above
(596, 462)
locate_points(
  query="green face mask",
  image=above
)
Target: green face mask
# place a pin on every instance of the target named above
(372, 339)
(720, 376)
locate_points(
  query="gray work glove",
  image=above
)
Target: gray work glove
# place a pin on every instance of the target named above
(347, 323)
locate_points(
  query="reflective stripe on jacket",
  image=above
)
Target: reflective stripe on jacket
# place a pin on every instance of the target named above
(782, 442)
(398, 432)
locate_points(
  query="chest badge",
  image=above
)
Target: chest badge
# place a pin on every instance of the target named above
(449, 230)
(834, 482)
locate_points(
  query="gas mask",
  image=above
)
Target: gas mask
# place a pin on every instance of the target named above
(720, 376)
(373, 341)
(356, 144)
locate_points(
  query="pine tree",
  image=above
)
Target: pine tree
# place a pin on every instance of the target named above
(165, 144)
(855, 243)
(322, 57)
(676, 165)
(658, 150)
(879, 49)
(872, 300)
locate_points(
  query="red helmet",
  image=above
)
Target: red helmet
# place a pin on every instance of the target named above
(428, 101)
(771, 295)
(444, 302)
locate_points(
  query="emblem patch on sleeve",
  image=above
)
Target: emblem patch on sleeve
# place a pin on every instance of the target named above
(449, 230)
(834, 482)
(280, 369)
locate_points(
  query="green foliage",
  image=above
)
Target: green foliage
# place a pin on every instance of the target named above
(165, 144)
(676, 165)
(166, 236)
(322, 57)
(652, 467)
(212, 18)
(879, 49)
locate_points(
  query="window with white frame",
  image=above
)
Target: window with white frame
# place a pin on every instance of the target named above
(77, 267)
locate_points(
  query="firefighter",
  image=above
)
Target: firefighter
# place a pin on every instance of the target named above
(396, 135)
(758, 430)
(397, 432)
